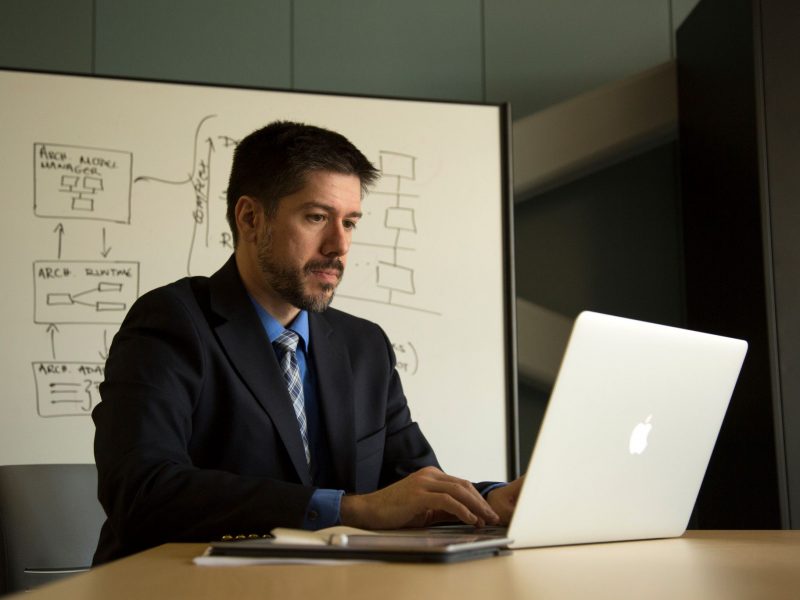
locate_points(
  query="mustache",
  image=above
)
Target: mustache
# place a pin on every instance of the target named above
(333, 263)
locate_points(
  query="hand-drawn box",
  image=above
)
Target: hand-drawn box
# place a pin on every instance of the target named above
(75, 182)
(67, 388)
(96, 292)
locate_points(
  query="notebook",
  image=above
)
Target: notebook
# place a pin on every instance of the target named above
(628, 433)
(336, 544)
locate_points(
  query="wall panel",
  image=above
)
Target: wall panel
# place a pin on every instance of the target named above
(414, 48)
(52, 35)
(543, 52)
(245, 42)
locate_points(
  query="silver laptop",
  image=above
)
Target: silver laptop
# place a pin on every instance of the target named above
(628, 433)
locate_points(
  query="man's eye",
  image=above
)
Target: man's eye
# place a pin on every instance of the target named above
(316, 218)
(351, 225)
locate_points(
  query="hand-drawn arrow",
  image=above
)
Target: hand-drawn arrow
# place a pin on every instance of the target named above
(60, 231)
(52, 329)
(211, 150)
(201, 181)
(191, 175)
(104, 354)
(105, 250)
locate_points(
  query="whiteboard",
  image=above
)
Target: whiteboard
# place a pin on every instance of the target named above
(113, 187)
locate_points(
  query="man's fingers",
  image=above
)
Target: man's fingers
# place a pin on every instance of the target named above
(445, 503)
(463, 493)
(471, 498)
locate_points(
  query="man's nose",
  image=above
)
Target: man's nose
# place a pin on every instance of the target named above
(337, 241)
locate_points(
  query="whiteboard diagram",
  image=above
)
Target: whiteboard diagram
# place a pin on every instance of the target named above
(76, 182)
(391, 240)
(85, 293)
(392, 275)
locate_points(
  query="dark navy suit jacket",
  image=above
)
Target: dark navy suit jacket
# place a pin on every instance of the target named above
(196, 437)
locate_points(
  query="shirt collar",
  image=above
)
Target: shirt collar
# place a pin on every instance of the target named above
(273, 328)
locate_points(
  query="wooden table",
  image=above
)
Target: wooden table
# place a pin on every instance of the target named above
(702, 564)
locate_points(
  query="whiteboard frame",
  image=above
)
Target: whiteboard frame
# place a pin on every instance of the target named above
(507, 219)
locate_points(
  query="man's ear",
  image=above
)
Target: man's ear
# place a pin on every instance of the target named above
(249, 215)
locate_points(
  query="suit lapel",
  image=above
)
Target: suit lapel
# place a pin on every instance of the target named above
(335, 396)
(242, 336)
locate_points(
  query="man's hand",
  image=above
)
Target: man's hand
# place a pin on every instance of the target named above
(421, 499)
(503, 500)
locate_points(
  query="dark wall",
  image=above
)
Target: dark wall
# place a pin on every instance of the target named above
(609, 242)
(738, 88)
(780, 76)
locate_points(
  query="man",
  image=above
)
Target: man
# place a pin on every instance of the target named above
(238, 403)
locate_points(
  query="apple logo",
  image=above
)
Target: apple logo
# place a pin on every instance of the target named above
(638, 441)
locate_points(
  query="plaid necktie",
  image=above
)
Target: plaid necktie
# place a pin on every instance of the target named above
(287, 346)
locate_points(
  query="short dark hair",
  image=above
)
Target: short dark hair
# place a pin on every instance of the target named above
(274, 161)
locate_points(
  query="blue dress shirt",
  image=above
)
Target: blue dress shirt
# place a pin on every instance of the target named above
(324, 506)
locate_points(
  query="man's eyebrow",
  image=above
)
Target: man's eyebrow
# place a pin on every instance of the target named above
(356, 214)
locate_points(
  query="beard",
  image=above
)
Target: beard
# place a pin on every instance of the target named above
(287, 281)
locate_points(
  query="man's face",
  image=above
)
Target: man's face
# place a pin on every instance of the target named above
(302, 251)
